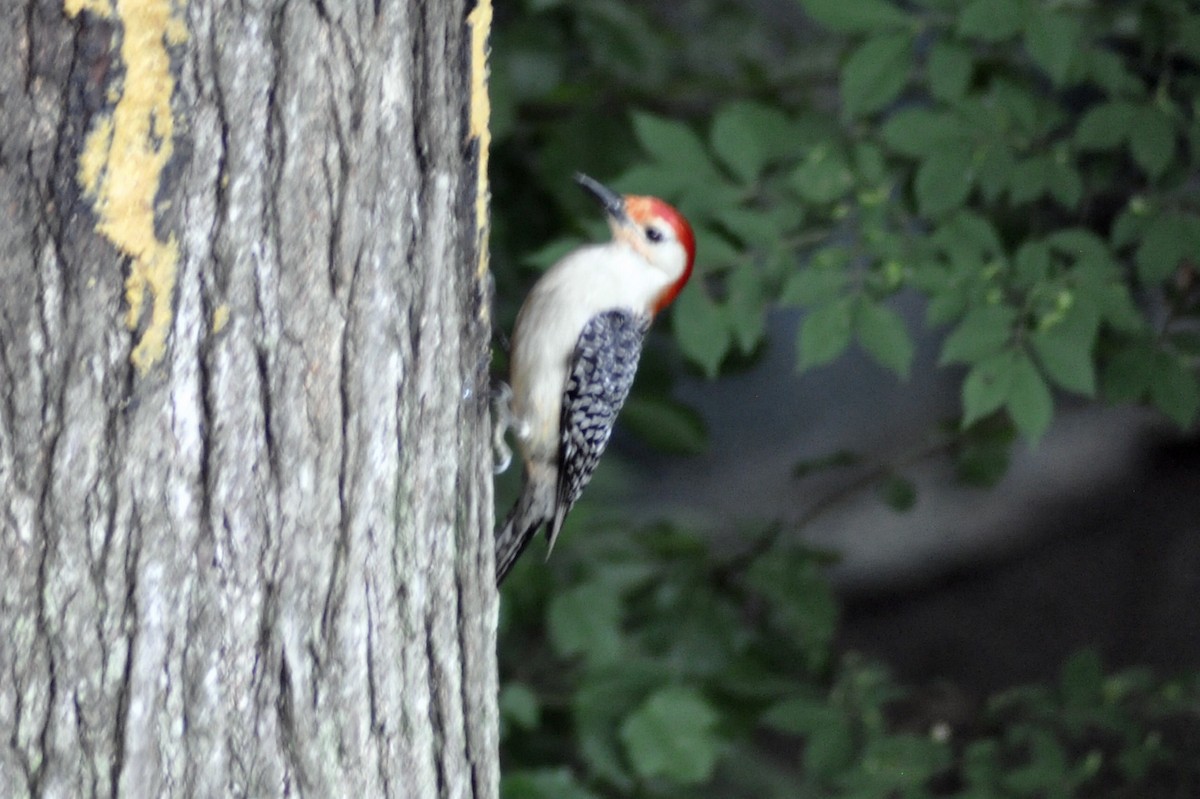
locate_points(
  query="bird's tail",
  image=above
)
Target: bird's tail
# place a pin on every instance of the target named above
(533, 508)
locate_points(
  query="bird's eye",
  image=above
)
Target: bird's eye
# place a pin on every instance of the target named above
(654, 234)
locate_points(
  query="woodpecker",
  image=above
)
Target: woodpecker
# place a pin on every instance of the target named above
(575, 349)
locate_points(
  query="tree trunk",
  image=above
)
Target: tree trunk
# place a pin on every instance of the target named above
(244, 469)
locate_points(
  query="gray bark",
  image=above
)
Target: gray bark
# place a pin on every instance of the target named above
(262, 565)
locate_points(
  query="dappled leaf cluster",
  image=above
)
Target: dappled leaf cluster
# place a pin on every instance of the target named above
(1028, 171)
(1029, 168)
(653, 669)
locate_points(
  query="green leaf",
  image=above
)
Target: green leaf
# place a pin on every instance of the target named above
(1137, 758)
(981, 767)
(992, 20)
(1046, 772)
(736, 141)
(876, 72)
(986, 386)
(1065, 182)
(1031, 264)
(705, 631)
(810, 129)
(1187, 36)
(982, 332)
(667, 426)
(829, 742)
(1128, 373)
(668, 181)
(898, 492)
(586, 620)
(1028, 180)
(746, 308)
(672, 735)
(944, 181)
(969, 232)
(714, 250)
(1152, 141)
(983, 455)
(519, 706)
(673, 143)
(800, 601)
(753, 228)
(901, 762)
(813, 285)
(1105, 126)
(823, 176)
(1170, 238)
(825, 333)
(1030, 403)
(1052, 40)
(920, 132)
(1109, 70)
(869, 161)
(602, 701)
(556, 783)
(1009, 106)
(994, 171)
(1065, 352)
(949, 69)
(860, 16)
(829, 750)
(1084, 246)
(700, 329)
(777, 135)
(946, 305)
(703, 196)
(1175, 390)
(1185, 342)
(801, 715)
(1109, 295)
(884, 335)
(1082, 680)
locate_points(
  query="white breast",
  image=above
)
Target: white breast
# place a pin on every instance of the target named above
(584, 283)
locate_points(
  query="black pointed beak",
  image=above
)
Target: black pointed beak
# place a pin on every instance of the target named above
(612, 203)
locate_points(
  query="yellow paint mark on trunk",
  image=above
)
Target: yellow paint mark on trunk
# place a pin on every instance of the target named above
(480, 23)
(220, 318)
(123, 159)
(101, 8)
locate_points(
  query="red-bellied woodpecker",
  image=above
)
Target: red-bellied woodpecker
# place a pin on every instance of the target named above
(575, 349)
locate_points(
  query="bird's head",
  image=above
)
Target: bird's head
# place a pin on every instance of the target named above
(654, 230)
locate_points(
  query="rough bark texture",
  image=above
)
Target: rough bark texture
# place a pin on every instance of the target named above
(262, 566)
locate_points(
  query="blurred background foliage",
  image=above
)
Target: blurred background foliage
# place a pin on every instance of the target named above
(1028, 171)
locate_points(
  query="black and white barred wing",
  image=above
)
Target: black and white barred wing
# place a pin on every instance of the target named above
(602, 369)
